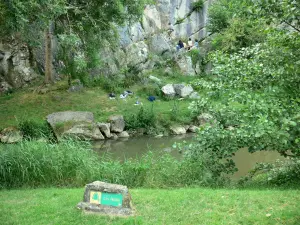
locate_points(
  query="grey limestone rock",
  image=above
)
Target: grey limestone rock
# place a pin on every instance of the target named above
(10, 135)
(193, 129)
(123, 134)
(183, 90)
(168, 90)
(185, 64)
(117, 123)
(177, 130)
(74, 124)
(105, 128)
(159, 44)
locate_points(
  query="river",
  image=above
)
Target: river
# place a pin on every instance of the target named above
(137, 146)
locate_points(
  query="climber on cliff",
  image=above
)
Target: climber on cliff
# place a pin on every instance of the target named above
(180, 45)
(190, 44)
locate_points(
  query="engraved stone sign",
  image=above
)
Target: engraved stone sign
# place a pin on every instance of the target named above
(106, 198)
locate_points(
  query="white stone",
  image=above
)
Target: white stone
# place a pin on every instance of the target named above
(123, 134)
(168, 90)
(177, 130)
(183, 90)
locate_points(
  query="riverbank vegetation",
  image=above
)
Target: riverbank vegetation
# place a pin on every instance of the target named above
(180, 206)
(73, 164)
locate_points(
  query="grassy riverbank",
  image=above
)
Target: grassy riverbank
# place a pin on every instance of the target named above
(26, 104)
(177, 206)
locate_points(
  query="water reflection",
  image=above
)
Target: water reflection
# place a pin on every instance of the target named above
(137, 146)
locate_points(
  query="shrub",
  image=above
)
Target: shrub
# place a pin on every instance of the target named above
(142, 119)
(31, 129)
(150, 90)
(197, 6)
(108, 84)
(281, 173)
(195, 56)
(222, 11)
(240, 33)
(210, 155)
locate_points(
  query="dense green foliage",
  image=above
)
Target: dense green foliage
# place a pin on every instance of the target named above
(198, 5)
(145, 118)
(254, 83)
(232, 27)
(70, 163)
(286, 12)
(32, 130)
(252, 91)
(281, 173)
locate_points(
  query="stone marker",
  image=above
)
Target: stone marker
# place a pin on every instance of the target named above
(107, 199)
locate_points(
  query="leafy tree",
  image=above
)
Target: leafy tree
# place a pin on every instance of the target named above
(279, 11)
(89, 22)
(231, 27)
(253, 88)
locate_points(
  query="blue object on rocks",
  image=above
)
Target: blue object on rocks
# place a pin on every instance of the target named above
(151, 98)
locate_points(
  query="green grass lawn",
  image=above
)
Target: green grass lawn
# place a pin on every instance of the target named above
(178, 206)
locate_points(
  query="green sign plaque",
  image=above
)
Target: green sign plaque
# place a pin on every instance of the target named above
(112, 199)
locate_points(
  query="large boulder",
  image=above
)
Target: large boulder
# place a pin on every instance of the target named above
(168, 90)
(183, 90)
(10, 135)
(74, 124)
(117, 123)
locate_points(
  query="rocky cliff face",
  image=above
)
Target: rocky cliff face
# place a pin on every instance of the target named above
(157, 33)
(142, 44)
(169, 14)
(15, 65)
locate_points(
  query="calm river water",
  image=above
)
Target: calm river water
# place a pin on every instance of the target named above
(137, 146)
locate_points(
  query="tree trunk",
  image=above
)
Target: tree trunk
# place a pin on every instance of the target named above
(48, 56)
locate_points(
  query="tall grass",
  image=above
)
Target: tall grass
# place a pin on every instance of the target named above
(71, 163)
(42, 164)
